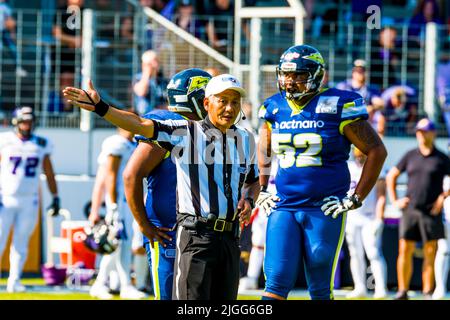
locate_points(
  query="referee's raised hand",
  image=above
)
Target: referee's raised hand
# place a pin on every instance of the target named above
(85, 99)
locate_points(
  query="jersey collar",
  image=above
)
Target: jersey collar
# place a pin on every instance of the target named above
(296, 108)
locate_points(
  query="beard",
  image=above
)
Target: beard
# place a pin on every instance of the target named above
(24, 133)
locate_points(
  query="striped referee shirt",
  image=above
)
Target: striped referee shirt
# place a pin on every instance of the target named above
(212, 167)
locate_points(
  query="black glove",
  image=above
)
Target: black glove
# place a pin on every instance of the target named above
(55, 206)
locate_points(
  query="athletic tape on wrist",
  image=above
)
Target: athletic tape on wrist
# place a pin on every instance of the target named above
(101, 108)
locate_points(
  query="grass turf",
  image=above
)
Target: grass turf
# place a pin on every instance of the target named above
(39, 291)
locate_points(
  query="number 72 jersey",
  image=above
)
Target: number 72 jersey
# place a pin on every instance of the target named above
(310, 145)
(21, 164)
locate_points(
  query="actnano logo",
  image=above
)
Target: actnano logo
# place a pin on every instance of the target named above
(305, 124)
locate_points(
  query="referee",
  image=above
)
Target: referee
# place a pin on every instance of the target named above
(217, 181)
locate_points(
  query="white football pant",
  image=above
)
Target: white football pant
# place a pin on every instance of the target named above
(361, 238)
(21, 213)
(441, 263)
(120, 259)
(140, 263)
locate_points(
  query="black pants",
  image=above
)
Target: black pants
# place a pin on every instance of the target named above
(206, 265)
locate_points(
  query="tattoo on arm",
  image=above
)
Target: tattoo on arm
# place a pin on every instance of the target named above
(363, 131)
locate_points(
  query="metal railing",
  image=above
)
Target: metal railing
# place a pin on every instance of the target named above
(121, 38)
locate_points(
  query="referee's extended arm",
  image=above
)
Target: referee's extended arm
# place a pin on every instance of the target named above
(90, 100)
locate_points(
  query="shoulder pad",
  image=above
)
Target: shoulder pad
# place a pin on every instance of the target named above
(42, 142)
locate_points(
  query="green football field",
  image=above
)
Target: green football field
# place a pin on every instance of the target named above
(37, 290)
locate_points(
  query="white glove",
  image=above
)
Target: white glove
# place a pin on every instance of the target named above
(112, 213)
(377, 227)
(266, 200)
(335, 206)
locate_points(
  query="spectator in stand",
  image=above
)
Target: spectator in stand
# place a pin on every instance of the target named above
(185, 20)
(322, 25)
(220, 27)
(145, 28)
(68, 33)
(105, 36)
(358, 17)
(150, 86)
(166, 8)
(357, 83)
(154, 38)
(56, 103)
(126, 39)
(400, 109)
(426, 11)
(8, 34)
(385, 54)
(104, 21)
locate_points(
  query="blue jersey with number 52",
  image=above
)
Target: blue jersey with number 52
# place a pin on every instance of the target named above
(310, 145)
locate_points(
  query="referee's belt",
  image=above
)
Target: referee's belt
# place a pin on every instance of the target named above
(219, 225)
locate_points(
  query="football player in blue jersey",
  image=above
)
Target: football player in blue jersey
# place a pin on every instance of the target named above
(186, 91)
(311, 129)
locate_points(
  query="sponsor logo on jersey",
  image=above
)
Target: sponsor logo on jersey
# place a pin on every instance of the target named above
(305, 124)
(327, 105)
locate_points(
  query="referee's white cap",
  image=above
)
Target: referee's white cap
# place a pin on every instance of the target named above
(224, 82)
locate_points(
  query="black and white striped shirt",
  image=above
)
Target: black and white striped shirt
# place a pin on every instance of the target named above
(212, 167)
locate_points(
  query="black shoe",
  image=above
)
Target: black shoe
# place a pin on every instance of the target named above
(401, 295)
(114, 291)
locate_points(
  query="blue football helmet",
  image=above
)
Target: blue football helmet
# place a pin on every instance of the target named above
(301, 64)
(186, 91)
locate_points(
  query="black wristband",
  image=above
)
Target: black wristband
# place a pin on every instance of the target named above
(101, 108)
(356, 201)
(263, 189)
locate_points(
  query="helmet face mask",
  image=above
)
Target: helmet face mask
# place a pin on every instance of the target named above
(300, 72)
(25, 128)
(186, 91)
(296, 84)
(23, 115)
